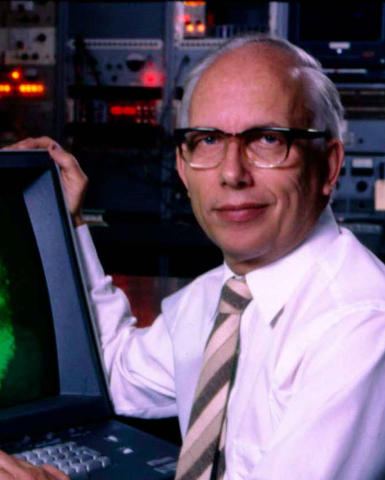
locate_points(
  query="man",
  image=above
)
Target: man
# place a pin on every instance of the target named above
(259, 153)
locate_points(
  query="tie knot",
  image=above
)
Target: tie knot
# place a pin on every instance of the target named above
(235, 296)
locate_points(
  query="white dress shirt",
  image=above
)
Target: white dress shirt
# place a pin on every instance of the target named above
(308, 402)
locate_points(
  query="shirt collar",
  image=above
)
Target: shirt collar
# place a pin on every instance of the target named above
(272, 285)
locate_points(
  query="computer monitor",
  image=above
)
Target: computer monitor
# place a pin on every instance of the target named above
(49, 367)
(53, 391)
(342, 35)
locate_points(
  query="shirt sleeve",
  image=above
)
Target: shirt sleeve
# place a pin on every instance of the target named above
(334, 425)
(138, 362)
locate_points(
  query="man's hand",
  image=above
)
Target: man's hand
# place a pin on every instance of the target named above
(12, 468)
(73, 178)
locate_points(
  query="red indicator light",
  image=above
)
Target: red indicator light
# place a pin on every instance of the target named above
(15, 75)
(31, 88)
(151, 78)
(129, 110)
(123, 110)
(116, 110)
(5, 88)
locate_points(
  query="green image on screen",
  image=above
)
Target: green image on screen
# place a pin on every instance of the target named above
(7, 337)
(28, 357)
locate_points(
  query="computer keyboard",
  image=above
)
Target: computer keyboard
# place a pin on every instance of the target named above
(69, 457)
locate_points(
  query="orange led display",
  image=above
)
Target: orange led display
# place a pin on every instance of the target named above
(31, 88)
(194, 4)
(5, 88)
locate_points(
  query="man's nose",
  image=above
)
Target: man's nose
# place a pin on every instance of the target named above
(235, 168)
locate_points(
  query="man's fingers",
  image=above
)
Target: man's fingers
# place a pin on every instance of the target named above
(7, 460)
(12, 468)
(73, 178)
(54, 471)
(61, 157)
(31, 143)
(64, 159)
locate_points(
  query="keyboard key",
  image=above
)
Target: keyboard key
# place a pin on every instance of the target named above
(89, 451)
(75, 475)
(93, 464)
(105, 461)
(79, 476)
(80, 468)
(84, 457)
(37, 462)
(30, 456)
(63, 464)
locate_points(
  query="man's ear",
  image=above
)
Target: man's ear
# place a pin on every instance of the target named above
(335, 156)
(181, 168)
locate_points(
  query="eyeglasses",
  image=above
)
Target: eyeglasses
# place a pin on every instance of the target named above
(265, 147)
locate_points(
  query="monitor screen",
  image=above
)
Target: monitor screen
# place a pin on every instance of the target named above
(28, 357)
(342, 22)
(343, 36)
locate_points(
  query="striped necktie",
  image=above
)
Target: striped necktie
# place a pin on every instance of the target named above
(203, 445)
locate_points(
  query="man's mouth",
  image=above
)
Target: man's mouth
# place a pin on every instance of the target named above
(239, 213)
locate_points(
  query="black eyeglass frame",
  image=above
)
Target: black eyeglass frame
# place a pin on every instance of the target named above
(290, 134)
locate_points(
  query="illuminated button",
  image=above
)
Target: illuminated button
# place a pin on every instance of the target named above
(189, 27)
(200, 27)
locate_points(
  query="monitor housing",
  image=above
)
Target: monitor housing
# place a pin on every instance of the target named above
(29, 183)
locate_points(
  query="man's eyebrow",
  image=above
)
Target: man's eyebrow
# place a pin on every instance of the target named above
(268, 125)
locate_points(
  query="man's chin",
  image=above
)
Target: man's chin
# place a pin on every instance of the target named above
(246, 259)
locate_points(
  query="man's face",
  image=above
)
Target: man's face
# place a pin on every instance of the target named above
(256, 215)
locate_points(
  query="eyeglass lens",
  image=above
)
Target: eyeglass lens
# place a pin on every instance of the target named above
(263, 148)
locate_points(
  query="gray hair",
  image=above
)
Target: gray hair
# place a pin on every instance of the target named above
(325, 104)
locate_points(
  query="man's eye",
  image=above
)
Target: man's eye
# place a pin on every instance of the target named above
(265, 140)
(269, 139)
(202, 141)
(209, 139)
